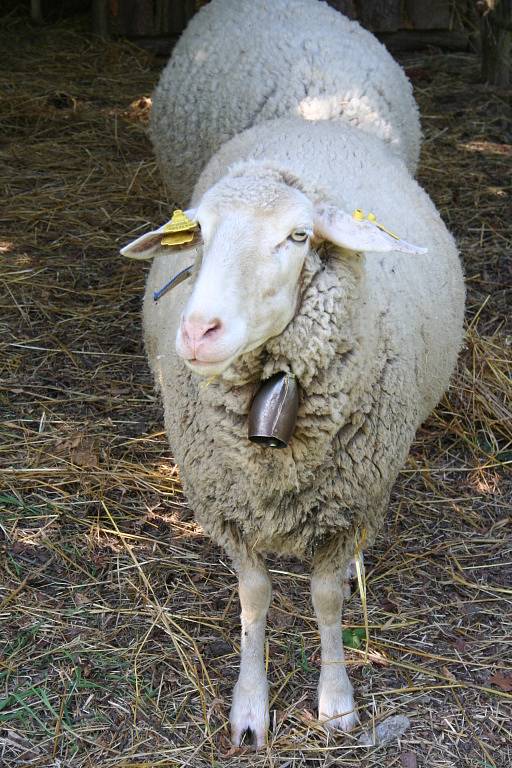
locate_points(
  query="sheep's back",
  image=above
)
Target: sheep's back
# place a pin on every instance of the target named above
(242, 63)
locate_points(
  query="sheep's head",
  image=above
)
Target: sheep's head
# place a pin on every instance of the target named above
(257, 227)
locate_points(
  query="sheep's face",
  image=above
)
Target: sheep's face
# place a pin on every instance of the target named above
(256, 231)
(256, 234)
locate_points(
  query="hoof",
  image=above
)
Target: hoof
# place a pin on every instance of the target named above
(336, 708)
(249, 712)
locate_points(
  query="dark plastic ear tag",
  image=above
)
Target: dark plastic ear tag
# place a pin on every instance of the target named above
(176, 280)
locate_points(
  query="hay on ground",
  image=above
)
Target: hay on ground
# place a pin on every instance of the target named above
(118, 618)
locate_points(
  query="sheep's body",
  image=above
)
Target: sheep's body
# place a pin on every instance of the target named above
(371, 333)
(240, 63)
(373, 345)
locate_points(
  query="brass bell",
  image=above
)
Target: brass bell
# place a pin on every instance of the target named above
(273, 413)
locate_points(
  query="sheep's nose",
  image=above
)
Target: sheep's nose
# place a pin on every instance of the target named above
(196, 331)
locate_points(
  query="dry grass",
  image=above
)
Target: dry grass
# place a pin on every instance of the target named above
(118, 619)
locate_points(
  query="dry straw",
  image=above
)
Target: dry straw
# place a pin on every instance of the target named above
(118, 619)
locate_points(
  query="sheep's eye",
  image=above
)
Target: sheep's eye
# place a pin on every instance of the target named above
(299, 235)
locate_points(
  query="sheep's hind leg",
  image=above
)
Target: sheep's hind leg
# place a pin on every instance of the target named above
(336, 706)
(351, 575)
(249, 710)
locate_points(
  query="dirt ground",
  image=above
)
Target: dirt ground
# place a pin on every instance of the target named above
(118, 618)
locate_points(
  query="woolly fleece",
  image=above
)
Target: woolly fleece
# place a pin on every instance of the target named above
(240, 63)
(373, 345)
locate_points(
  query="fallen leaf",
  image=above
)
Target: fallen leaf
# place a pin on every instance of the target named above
(79, 449)
(448, 674)
(139, 109)
(408, 760)
(460, 644)
(390, 729)
(279, 618)
(68, 443)
(227, 749)
(87, 669)
(502, 681)
(84, 457)
(81, 599)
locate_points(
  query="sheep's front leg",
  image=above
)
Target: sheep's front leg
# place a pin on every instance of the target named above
(335, 695)
(249, 709)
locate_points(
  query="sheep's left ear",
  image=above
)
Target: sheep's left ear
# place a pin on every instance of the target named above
(146, 246)
(357, 233)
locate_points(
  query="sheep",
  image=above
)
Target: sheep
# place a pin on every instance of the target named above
(240, 63)
(287, 278)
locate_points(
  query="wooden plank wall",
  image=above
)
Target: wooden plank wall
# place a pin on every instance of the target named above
(150, 18)
(392, 15)
(157, 24)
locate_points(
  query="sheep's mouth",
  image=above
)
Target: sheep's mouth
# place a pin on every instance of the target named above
(211, 368)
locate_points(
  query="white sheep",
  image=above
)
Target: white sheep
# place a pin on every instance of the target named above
(240, 63)
(286, 279)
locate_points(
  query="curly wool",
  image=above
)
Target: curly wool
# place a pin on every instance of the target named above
(249, 499)
(373, 344)
(240, 63)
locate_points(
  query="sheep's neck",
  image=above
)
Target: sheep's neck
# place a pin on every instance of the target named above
(324, 331)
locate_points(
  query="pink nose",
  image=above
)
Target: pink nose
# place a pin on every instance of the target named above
(197, 334)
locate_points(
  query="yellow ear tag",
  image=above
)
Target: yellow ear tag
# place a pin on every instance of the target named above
(177, 238)
(179, 230)
(358, 215)
(371, 217)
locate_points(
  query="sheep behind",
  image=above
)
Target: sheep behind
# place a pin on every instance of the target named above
(240, 63)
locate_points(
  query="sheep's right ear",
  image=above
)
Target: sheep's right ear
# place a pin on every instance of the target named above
(146, 246)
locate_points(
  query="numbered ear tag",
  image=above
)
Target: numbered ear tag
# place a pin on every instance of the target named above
(179, 230)
(359, 215)
(179, 238)
(364, 232)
